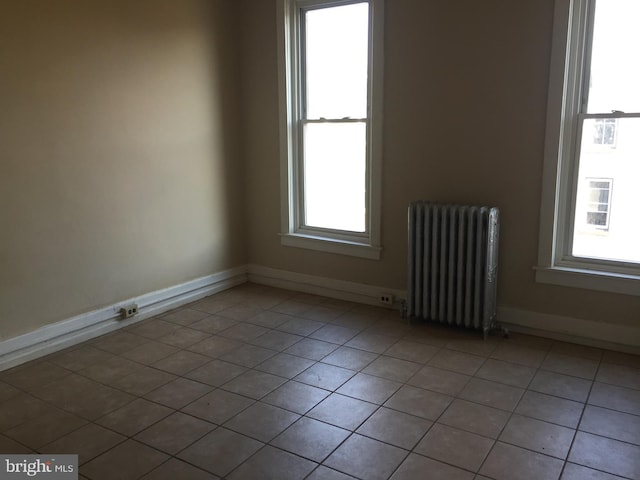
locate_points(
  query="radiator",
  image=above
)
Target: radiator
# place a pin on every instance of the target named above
(453, 264)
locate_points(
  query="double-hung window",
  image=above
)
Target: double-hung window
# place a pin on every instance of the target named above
(330, 67)
(590, 220)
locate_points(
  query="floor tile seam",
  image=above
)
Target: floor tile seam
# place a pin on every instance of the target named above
(451, 464)
(636, 445)
(615, 475)
(613, 410)
(635, 389)
(86, 422)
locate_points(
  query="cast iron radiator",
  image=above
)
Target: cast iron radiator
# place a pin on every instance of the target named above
(453, 264)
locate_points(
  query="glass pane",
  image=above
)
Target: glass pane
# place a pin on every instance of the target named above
(337, 45)
(615, 64)
(334, 176)
(607, 222)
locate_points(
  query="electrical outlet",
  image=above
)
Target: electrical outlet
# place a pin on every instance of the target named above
(129, 311)
(386, 298)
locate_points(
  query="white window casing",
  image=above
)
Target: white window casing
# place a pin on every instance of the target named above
(566, 113)
(294, 232)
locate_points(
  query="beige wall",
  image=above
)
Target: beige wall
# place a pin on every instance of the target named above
(120, 171)
(465, 105)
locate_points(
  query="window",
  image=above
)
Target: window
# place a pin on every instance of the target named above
(592, 143)
(604, 131)
(598, 201)
(330, 95)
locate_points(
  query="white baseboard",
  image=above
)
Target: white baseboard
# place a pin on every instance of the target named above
(326, 287)
(585, 332)
(611, 336)
(66, 333)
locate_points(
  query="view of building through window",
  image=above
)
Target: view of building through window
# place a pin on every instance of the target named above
(607, 216)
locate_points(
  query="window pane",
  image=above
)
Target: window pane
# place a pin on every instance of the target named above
(607, 222)
(334, 176)
(615, 69)
(337, 40)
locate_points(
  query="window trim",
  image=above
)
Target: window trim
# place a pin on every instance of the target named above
(364, 245)
(572, 19)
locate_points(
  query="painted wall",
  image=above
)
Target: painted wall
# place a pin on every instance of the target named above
(120, 171)
(465, 105)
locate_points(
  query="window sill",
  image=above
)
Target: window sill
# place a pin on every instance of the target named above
(589, 279)
(331, 245)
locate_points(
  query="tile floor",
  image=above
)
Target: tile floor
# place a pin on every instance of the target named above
(261, 383)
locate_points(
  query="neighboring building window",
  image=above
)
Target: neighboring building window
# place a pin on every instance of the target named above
(599, 202)
(604, 132)
(330, 89)
(594, 106)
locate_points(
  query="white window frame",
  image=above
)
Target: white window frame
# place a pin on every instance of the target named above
(573, 20)
(293, 233)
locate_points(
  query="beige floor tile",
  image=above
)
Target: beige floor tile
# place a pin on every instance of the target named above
(275, 340)
(185, 316)
(334, 334)
(369, 388)
(254, 384)
(43, 429)
(218, 406)
(296, 397)
(474, 344)
(508, 462)
(475, 418)
(248, 355)
(438, 380)
(578, 472)
(22, 408)
(620, 375)
(412, 351)
(608, 455)
(510, 352)
(79, 358)
(371, 342)
(175, 469)
(243, 332)
(568, 365)
(87, 442)
(134, 417)
(8, 446)
(142, 381)
(392, 368)
(459, 362)
(571, 388)
(240, 312)
(620, 358)
(364, 457)
(153, 328)
(118, 342)
(396, 428)
(550, 409)
(181, 362)
(150, 352)
(7, 391)
(311, 439)
(216, 373)
(111, 370)
(178, 393)
(220, 451)
(174, 433)
(350, 358)
(184, 337)
(492, 394)
(341, 411)
(300, 326)
(576, 350)
(35, 376)
(325, 376)
(311, 349)
(415, 467)
(324, 473)
(616, 398)
(269, 319)
(419, 402)
(215, 346)
(261, 421)
(322, 313)
(213, 324)
(612, 424)
(273, 464)
(127, 461)
(285, 365)
(507, 373)
(539, 436)
(455, 447)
